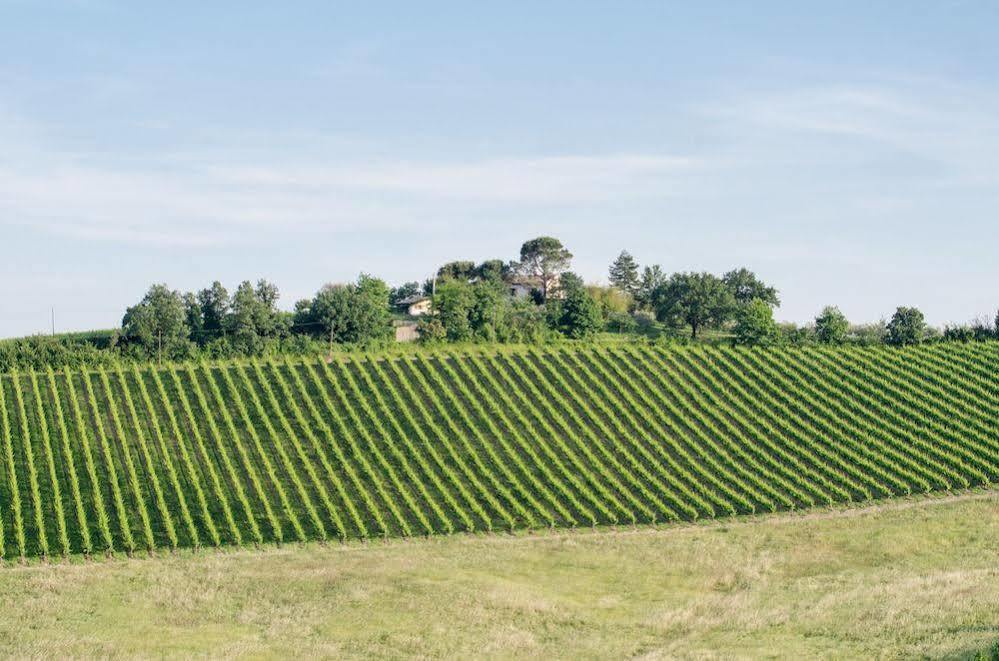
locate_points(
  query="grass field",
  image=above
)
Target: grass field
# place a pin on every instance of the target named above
(245, 453)
(902, 579)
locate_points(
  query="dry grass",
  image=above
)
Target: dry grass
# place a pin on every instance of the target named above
(911, 579)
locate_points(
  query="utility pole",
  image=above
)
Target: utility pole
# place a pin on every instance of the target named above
(53, 321)
(159, 336)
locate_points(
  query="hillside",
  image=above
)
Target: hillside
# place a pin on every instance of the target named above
(242, 453)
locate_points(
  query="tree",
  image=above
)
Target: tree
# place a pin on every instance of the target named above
(214, 302)
(755, 325)
(193, 318)
(652, 278)
(331, 309)
(458, 270)
(612, 301)
(488, 314)
(158, 321)
(746, 287)
(907, 326)
(624, 273)
(576, 314)
(372, 319)
(696, 299)
(831, 326)
(254, 318)
(492, 270)
(452, 305)
(544, 259)
(352, 313)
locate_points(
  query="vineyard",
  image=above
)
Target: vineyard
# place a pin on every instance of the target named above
(130, 459)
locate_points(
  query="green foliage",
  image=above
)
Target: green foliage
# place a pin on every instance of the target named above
(431, 330)
(492, 270)
(698, 300)
(831, 326)
(624, 273)
(453, 305)
(746, 287)
(543, 259)
(611, 300)
(907, 326)
(653, 277)
(755, 325)
(794, 335)
(42, 351)
(458, 270)
(402, 292)
(214, 304)
(356, 313)
(575, 315)
(158, 322)
(254, 318)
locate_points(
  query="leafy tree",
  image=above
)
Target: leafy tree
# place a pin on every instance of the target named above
(576, 314)
(458, 270)
(352, 313)
(746, 287)
(869, 334)
(795, 335)
(492, 270)
(489, 310)
(193, 317)
(372, 320)
(610, 299)
(159, 321)
(430, 330)
(755, 325)
(624, 273)
(907, 326)
(254, 318)
(331, 309)
(544, 258)
(831, 326)
(698, 300)
(214, 302)
(452, 305)
(653, 277)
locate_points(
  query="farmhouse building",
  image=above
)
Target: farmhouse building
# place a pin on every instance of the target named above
(416, 305)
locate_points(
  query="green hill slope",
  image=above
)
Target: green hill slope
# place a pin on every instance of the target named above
(239, 453)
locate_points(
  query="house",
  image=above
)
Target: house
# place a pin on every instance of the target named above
(416, 305)
(522, 286)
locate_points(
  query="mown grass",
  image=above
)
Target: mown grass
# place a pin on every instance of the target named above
(908, 579)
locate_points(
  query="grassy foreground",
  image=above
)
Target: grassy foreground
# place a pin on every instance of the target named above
(901, 579)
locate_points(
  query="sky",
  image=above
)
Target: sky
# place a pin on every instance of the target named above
(847, 152)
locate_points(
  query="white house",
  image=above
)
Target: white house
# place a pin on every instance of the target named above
(416, 305)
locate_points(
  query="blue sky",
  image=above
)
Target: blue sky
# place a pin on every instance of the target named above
(848, 152)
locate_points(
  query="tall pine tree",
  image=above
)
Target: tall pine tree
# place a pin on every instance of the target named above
(624, 273)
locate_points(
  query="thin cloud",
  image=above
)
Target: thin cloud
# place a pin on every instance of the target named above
(206, 200)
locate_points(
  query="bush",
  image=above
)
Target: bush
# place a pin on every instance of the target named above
(755, 326)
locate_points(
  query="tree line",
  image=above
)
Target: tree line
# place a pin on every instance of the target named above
(533, 299)
(743, 305)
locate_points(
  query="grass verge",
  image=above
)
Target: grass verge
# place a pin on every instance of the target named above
(897, 580)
